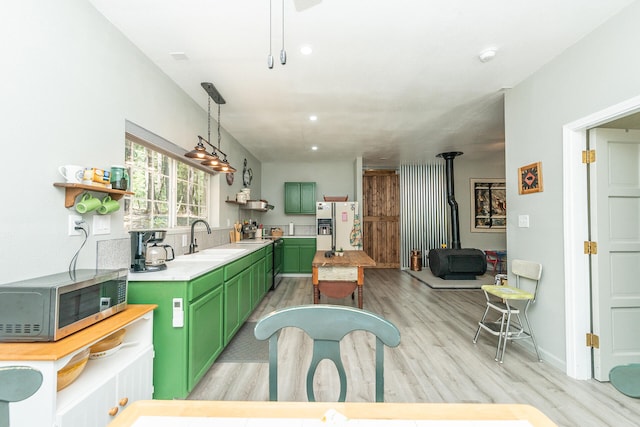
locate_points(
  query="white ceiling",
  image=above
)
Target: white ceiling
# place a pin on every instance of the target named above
(391, 81)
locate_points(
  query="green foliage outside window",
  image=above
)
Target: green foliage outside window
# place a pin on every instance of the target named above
(167, 192)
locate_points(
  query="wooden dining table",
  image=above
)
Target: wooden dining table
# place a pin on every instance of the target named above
(339, 276)
(183, 413)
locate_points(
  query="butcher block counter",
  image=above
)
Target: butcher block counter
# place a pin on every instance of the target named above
(339, 276)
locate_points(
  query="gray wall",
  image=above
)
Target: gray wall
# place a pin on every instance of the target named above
(464, 170)
(69, 82)
(331, 178)
(597, 72)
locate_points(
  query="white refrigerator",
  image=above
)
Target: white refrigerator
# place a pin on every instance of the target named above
(338, 226)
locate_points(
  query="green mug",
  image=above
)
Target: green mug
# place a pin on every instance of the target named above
(88, 203)
(108, 205)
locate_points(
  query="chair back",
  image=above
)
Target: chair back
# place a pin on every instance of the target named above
(326, 325)
(16, 383)
(528, 270)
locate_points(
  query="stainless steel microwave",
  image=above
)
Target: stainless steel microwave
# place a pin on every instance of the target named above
(52, 307)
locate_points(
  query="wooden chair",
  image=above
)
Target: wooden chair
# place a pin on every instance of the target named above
(326, 325)
(16, 383)
(508, 301)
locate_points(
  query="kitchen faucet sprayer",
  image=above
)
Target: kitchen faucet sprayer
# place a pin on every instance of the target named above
(193, 245)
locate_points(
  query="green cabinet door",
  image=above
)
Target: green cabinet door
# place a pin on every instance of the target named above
(231, 308)
(300, 198)
(306, 257)
(298, 255)
(292, 197)
(244, 299)
(206, 334)
(291, 261)
(308, 198)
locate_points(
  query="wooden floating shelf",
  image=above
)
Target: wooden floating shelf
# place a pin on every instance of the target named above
(74, 190)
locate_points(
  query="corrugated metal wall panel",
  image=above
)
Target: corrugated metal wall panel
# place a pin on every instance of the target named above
(424, 212)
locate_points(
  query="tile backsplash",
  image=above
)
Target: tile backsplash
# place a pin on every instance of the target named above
(116, 253)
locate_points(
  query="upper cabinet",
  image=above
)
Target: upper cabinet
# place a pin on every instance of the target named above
(300, 198)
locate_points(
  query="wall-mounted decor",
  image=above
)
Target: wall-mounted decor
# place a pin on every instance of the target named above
(489, 204)
(530, 178)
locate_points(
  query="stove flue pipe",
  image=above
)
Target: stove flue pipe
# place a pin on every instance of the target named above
(451, 199)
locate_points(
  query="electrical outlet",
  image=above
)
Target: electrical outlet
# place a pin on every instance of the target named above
(73, 221)
(185, 242)
(523, 221)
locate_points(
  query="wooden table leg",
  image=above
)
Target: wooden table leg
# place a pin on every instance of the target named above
(360, 297)
(314, 280)
(316, 294)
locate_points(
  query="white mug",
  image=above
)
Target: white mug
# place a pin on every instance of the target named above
(72, 173)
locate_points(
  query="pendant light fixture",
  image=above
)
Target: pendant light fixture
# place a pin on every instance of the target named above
(199, 152)
(283, 52)
(270, 57)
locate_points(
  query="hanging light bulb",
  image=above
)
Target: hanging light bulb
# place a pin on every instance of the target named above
(283, 53)
(199, 152)
(270, 56)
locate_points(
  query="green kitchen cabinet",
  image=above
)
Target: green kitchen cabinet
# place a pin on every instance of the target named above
(298, 255)
(205, 334)
(268, 281)
(258, 265)
(300, 198)
(181, 355)
(215, 306)
(237, 295)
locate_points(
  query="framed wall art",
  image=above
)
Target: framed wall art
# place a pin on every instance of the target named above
(530, 178)
(489, 204)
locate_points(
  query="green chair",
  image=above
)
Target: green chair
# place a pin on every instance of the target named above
(509, 302)
(16, 383)
(326, 325)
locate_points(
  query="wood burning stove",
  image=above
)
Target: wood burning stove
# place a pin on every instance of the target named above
(455, 263)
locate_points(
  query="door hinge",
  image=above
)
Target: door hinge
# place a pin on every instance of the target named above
(590, 248)
(589, 156)
(593, 340)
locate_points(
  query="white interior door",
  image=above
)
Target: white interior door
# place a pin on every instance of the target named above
(614, 192)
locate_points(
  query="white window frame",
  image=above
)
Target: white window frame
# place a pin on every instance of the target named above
(175, 154)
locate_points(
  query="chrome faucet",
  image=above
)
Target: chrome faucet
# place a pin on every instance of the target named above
(193, 245)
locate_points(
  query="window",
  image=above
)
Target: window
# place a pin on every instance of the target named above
(168, 193)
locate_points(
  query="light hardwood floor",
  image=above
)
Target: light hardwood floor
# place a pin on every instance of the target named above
(435, 362)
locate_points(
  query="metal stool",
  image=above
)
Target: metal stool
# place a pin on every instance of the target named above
(510, 325)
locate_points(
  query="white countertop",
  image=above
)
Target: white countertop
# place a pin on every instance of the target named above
(188, 267)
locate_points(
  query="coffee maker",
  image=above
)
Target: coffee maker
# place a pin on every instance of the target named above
(145, 258)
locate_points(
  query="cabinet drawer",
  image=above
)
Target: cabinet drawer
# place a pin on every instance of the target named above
(236, 267)
(257, 255)
(205, 284)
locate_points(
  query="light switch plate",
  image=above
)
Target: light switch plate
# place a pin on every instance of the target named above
(101, 224)
(523, 221)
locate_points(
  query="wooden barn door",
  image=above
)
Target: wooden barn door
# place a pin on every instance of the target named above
(381, 217)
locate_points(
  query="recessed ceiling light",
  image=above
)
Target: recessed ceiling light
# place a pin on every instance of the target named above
(313, 118)
(179, 56)
(314, 148)
(306, 50)
(487, 54)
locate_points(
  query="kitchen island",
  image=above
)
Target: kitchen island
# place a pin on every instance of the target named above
(339, 276)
